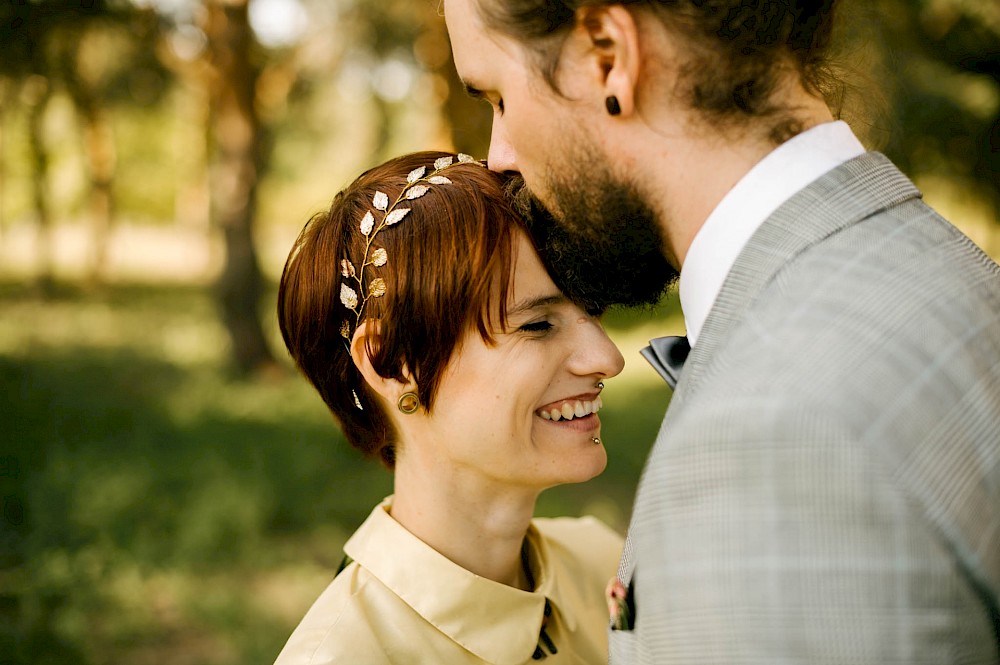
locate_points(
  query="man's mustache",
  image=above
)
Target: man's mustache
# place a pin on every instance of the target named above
(520, 196)
(535, 214)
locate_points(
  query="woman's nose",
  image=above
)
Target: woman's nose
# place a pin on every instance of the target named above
(596, 353)
(501, 157)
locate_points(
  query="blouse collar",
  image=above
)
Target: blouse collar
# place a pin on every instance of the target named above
(440, 590)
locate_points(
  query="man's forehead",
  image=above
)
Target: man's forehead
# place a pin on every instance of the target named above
(476, 49)
(468, 27)
(462, 17)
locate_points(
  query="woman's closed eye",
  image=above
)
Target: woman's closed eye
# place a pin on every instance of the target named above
(542, 326)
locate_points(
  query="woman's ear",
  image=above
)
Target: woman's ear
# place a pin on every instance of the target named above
(388, 389)
(613, 54)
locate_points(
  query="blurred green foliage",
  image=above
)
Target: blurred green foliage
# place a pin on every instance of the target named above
(137, 457)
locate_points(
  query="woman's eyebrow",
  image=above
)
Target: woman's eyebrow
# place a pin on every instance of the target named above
(537, 302)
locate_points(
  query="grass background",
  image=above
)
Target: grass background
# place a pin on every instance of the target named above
(157, 510)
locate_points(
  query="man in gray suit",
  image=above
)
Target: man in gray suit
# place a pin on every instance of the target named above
(825, 487)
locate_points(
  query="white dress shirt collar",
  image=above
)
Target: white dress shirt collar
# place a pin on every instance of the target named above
(772, 181)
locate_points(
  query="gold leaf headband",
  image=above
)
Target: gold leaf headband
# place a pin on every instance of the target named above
(418, 183)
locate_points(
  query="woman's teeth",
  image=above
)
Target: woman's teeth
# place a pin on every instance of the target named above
(571, 410)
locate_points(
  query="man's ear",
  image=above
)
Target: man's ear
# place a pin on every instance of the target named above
(388, 389)
(614, 55)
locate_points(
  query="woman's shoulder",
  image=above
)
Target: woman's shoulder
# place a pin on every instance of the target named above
(583, 542)
(319, 639)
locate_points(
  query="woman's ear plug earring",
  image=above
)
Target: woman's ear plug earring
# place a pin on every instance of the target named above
(600, 385)
(596, 440)
(408, 403)
(614, 108)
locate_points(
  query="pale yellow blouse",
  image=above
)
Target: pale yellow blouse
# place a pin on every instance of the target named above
(402, 602)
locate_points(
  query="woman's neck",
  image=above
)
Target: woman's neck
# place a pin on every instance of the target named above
(475, 523)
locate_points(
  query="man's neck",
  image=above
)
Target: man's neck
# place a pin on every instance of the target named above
(697, 167)
(775, 179)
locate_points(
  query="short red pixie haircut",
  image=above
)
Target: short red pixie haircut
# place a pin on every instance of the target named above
(448, 272)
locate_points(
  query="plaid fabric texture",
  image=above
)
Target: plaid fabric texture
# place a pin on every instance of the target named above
(825, 487)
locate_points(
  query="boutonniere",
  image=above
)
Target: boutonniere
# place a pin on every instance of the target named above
(620, 606)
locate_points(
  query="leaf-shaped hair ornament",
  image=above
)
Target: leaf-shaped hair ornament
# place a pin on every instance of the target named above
(418, 183)
(367, 223)
(416, 192)
(349, 297)
(395, 216)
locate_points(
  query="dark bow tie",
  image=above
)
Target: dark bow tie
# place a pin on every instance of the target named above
(667, 356)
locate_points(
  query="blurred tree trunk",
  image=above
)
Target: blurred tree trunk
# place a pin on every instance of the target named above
(236, 135)
(39, 92)
(99, 148)
(5, 93)
(382, 119)
(193, 199)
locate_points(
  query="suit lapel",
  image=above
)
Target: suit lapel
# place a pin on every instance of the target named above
(849, 193)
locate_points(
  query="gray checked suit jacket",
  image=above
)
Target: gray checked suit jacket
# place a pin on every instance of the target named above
(825, 487)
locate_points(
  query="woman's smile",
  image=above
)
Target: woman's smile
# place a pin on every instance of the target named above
(570, 409)
(576, 413)
(588, 424)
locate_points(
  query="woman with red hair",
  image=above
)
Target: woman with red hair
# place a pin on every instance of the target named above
(421, 313)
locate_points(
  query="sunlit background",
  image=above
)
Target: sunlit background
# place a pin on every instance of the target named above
(171, 490)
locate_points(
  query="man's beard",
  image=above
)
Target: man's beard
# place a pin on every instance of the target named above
(603, 246)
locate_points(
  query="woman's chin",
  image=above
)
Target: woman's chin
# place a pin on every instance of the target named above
(588, 465)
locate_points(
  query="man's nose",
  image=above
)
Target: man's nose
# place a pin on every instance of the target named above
(501, 157)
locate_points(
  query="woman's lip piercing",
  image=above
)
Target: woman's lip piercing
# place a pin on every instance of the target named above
(595, 439)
